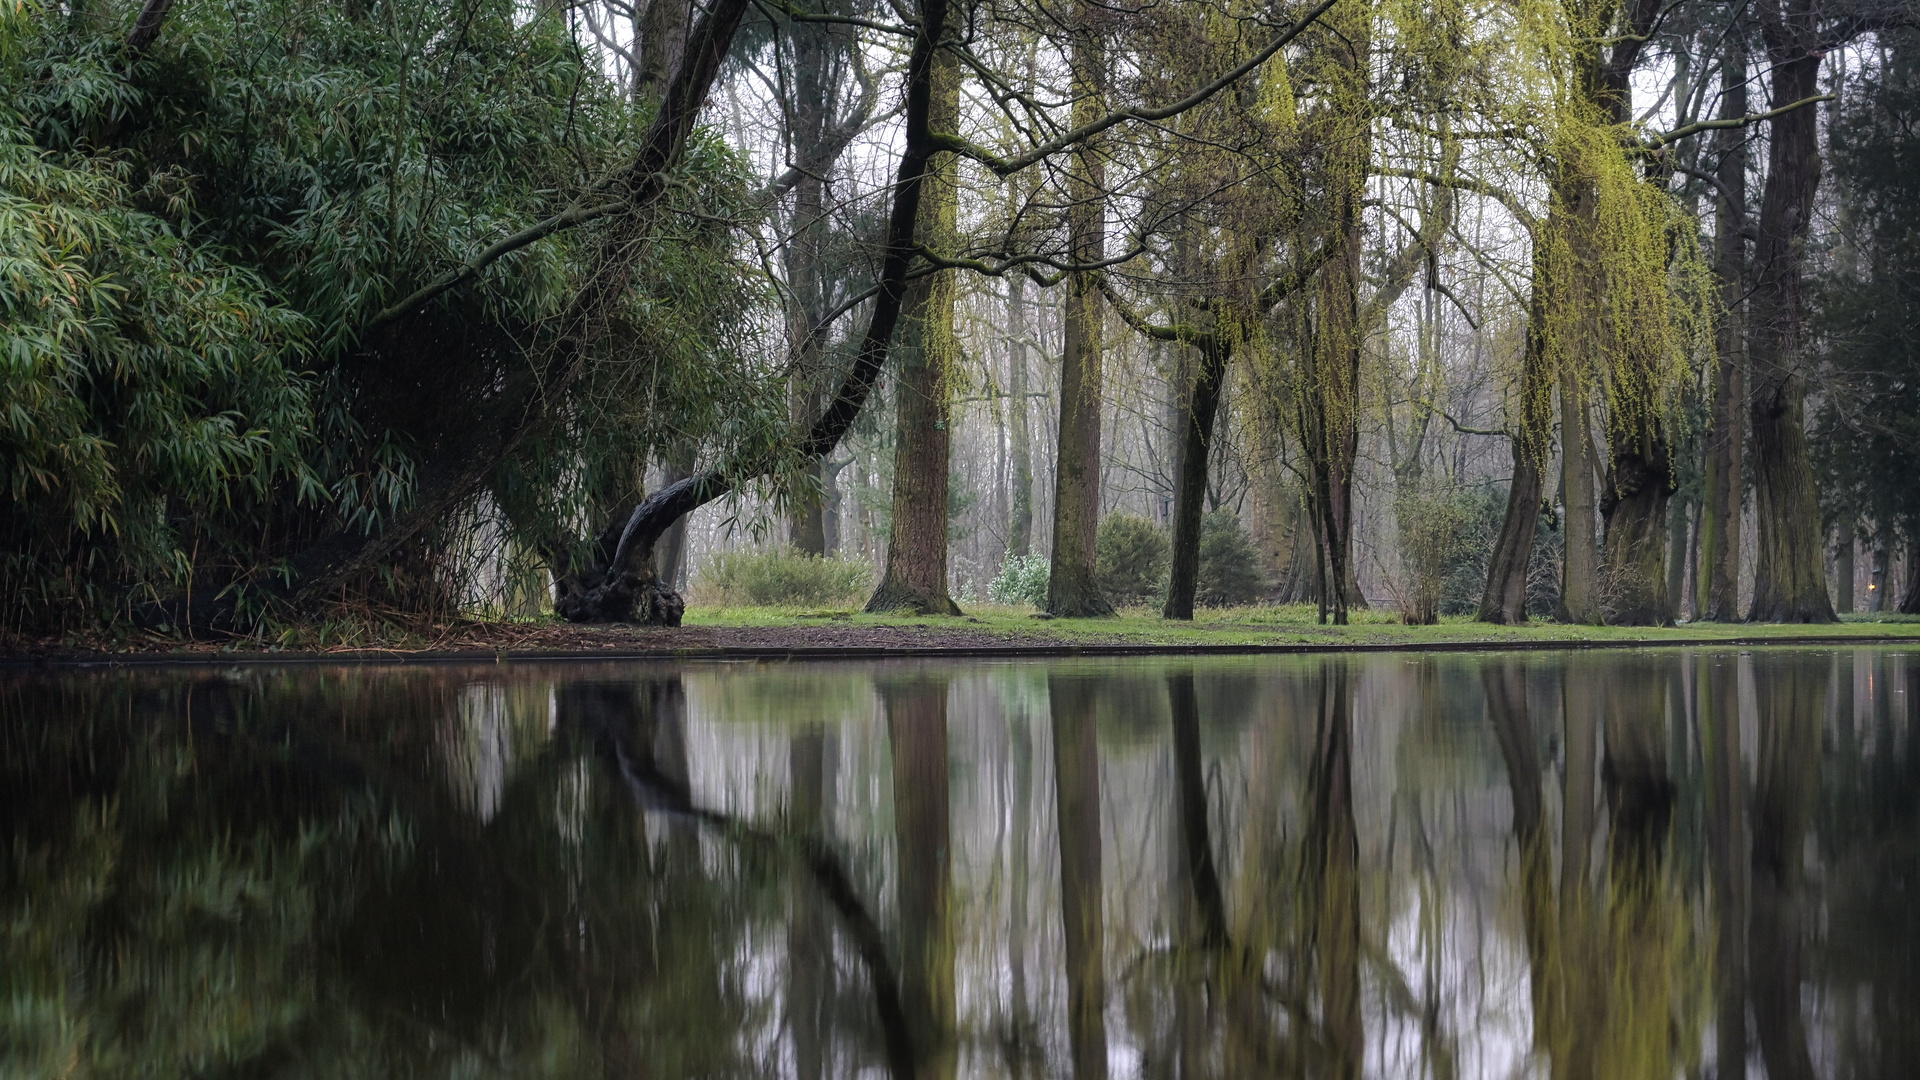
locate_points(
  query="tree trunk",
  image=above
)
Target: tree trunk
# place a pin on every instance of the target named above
(1076, 761)
(1505, 598)
(1879, 578)
(670, 555)
(917, 729)
(613, 595)
(1580, 578)
(1202, 407)
(1639, 487)
(1910, 603)
(916, 573)
(1843, 566)
(1790, 581)
(1719, 568)
(1020, 524)
(1073, 589)
(1679, 530)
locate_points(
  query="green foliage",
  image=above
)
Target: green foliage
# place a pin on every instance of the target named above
(1229, 567)
(1865, 436)
(1023, 580)
(783, 578)
(1131, 559)
(1438, 539)
(192, 243)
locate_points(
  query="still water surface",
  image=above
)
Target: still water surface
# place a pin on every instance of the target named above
(1602, 865)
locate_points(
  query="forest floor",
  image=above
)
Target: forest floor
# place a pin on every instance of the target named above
(985, 630)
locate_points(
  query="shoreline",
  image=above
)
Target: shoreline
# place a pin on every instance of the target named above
(802, 651)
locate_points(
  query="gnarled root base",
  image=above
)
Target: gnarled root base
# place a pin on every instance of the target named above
(623, 597)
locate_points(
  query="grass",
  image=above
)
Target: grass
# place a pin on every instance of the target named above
(1295, 624)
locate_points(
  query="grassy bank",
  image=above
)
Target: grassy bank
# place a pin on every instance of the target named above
(1290, 625)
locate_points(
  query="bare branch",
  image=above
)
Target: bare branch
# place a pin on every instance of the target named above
(1699, 126)
(1007, 166)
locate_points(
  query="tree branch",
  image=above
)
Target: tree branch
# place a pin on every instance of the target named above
(146, 27)
(1007, 166)
(1699, 126)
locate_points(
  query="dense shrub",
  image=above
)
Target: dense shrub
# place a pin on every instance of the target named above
(1022, 581)
(782, 578)
(1229, 568)
(1131, 559)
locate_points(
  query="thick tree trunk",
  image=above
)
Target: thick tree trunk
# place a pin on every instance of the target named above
(1679, 530)
(1580, 577)
(1020, 442)
(1074, 587)
(1202, 407)
(917, 729)
(1790, 581)
(1910, 603)
(916, 572)
(1843, 566)
(1719, 568)
(1076, 762)
(1639, 487)
(1505, 598)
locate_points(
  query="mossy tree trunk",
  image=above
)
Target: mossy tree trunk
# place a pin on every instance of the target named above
(916, 574)
(1073, 589)
(1790, 581)
(1511, 561)
(1019, 439)
(1719, 568)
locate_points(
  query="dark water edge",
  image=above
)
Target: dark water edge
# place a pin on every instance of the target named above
(1657, 862)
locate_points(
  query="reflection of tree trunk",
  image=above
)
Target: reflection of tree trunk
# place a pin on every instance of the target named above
(1076, 762)
(1020, 733)
(809, 938)
(1719, 710)
(917, 729)
(1191, 783)
(1641, 931)
(1334, 852)
(1506, 689)
(1575, 1042)
(1792, 692)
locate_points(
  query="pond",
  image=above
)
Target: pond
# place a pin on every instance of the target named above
(1643, 863)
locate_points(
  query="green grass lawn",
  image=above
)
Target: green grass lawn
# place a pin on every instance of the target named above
(1294, 624)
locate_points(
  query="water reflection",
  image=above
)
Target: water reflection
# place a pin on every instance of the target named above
(1567, 866)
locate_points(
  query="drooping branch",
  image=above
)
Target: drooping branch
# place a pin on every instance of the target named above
(1007, 166)
(660, 510)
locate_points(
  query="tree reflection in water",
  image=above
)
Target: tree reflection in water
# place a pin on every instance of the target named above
(1604, 865)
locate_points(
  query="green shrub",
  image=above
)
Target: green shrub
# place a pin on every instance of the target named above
(1229, 568)
(782, 578)
(1131, 559)
(1022, 581)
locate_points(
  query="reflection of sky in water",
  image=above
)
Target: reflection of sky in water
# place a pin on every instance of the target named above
(622, 924)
